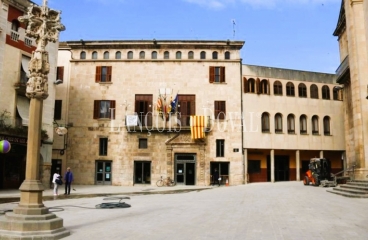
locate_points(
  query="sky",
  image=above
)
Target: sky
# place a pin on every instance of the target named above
(291, 34)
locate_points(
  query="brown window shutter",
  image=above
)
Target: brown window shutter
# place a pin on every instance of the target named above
(113, 105)
(96, 109)
(223, 110)
(60, 73)
(192, 107)
(258, 86)
(217, 110)
(245, 83)
(212, 74)
(222, 71)
(109, 71)
(98, 74)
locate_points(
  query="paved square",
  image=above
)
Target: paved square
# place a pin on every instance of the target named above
(283, 210)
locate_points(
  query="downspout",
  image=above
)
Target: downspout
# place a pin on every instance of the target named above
(241, 119)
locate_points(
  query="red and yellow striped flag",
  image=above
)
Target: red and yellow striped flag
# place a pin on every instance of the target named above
(197, 126)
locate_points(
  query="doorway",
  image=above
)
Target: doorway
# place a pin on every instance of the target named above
(185, 169)
(142, 172)
(55, 168)
(103, 172)
(281, 168)
(223, 169)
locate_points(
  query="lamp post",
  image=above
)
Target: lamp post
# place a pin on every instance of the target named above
(31, 219)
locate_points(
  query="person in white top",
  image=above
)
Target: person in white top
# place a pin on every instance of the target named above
(56, 176)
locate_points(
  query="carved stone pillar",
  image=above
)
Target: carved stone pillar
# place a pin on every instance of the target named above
(31, 219)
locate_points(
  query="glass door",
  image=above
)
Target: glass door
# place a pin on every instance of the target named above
(142, 172)
(103, 172)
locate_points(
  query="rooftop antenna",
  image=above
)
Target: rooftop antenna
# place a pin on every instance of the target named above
(233, 20)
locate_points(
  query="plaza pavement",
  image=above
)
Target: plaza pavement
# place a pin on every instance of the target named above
(282, 210)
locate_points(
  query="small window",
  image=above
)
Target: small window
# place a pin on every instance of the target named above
(291, 124)
(190, 55)
(142, 143)
(154, 55)
(302, 90)
(203, 55)
(106, 55)
(83, 55)
(103, 74)
(220, 110)
(314, 91)
(265, 122)
(220, 148)
(254, 166)
(326, 126)
(103, 147)
(217, 74)
(303, 124)
(166, 55)
(315, 128)
(277, 88)
(60, 73)
(290, 90)
(227, 55)
(94, 55)
(214, 55)
(118, 55)
(278, 123)
(130, 55)
(57, 110)
(104, 109)
(178, 55)
(325, 92)
(142, 55)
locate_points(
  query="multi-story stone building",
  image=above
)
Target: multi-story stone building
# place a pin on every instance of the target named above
(290, 117)
(352, 33)
(15, 53)
(263, 121)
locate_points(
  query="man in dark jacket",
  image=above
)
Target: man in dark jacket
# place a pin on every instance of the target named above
(215, 177)
(68, 178)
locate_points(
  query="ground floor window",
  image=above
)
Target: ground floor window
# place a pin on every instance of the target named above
(142, 172)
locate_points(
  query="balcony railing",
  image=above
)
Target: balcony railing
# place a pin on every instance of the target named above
(136, 123)
(28, 42)
(14, 35)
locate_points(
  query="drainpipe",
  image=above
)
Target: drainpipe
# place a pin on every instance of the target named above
(241, 120)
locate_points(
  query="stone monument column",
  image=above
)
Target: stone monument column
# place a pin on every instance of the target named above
(31, 219)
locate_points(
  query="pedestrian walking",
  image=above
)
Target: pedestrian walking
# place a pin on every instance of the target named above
(216, 177)
(55, 181)
(68, 178)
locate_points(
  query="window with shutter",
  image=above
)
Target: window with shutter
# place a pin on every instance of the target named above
(103, 74)
(217, 74)
(57, 110)
(186, 108)
(143, 108)
(104, 109)
(220, 110)
(60, 73)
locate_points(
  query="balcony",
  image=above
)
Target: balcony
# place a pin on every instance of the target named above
(156, 123)
(14, 35)
(343, 72)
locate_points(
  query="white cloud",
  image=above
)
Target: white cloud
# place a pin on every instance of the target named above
(219, 4)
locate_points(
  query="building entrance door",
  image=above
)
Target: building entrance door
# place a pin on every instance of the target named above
(185, 169)
(103, 172)
(142, 172)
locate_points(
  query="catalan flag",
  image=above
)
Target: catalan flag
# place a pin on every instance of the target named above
(197, 126)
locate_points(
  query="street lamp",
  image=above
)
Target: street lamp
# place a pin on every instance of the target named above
(31, 219)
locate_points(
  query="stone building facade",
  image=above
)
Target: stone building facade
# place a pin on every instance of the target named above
(15, 53)
(352, 33)
(261, 124)
(290, 117)
(108, 83)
